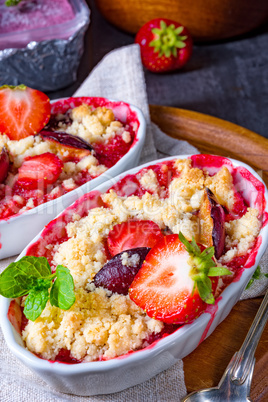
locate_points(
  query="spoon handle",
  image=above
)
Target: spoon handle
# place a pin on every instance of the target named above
(245, 355)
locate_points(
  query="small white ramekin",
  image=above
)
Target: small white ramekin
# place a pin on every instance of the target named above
(114, 375)
(17, 231)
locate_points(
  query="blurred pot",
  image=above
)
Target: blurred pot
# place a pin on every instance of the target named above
(207, 20)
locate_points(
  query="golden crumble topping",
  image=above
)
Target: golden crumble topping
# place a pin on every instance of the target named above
(105, 325)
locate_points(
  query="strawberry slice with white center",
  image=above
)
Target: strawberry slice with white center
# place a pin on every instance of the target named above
(173, 284)
(23, 111)
(39, 171)
(133, 234)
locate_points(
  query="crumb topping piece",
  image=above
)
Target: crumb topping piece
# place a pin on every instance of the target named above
(96, 125)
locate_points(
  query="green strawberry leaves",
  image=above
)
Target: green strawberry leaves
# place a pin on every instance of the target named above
(168, 39)
(205, 290)
(219, 271)
(203, 267)
(32, 276)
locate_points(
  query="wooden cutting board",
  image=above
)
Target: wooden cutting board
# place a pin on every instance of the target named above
(205, 365)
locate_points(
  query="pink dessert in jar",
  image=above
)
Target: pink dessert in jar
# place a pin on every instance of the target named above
(35, 20)
(148, 256)
(48, 150)
(32, 14)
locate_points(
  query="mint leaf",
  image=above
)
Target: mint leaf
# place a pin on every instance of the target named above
(20, 277)
(14, 285)
(35, 303)
(32, 276)
(62, 292)
(35, 266)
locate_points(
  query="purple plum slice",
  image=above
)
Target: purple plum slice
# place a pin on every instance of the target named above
(66, 139)
(118, 273)
(212, 223)
(4, 164)
(67, 145)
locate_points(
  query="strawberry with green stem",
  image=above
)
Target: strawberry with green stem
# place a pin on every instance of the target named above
(165, 45)
(173, 284)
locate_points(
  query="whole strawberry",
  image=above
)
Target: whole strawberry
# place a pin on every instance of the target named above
(165, 45)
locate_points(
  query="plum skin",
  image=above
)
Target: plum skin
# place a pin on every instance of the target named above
(66, 139)
(212, 216)
(117, 277)
(4, 165)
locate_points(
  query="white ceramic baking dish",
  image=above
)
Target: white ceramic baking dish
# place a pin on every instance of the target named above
(17, 231)
(103, 377)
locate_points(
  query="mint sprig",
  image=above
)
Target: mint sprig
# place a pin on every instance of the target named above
(32, 276)
(203, 267)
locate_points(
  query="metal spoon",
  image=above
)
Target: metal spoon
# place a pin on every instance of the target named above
(236, 381)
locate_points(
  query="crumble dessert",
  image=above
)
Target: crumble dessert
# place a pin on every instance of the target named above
(81, 140)
(105, 235)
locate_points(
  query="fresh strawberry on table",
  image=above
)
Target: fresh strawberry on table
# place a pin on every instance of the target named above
(40, 170)
(133, 234)
(165, 45)
(23, 111)
(173, 284)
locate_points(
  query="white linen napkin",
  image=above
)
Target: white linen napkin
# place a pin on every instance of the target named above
(118, 76)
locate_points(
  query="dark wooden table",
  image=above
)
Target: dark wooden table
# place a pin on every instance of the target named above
(228, 80)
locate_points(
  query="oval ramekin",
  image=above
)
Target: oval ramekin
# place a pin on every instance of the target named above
(103, 377)
(18, 230)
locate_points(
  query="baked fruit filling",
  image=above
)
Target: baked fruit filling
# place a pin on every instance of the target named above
(146, 257)
(44, 155)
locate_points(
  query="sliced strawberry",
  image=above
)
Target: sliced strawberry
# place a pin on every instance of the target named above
(172, 284)
(10, 206)
(128, 186)
(23, 111)
(14, 315)
(239, 207)
(40, 170)
(133, 234)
